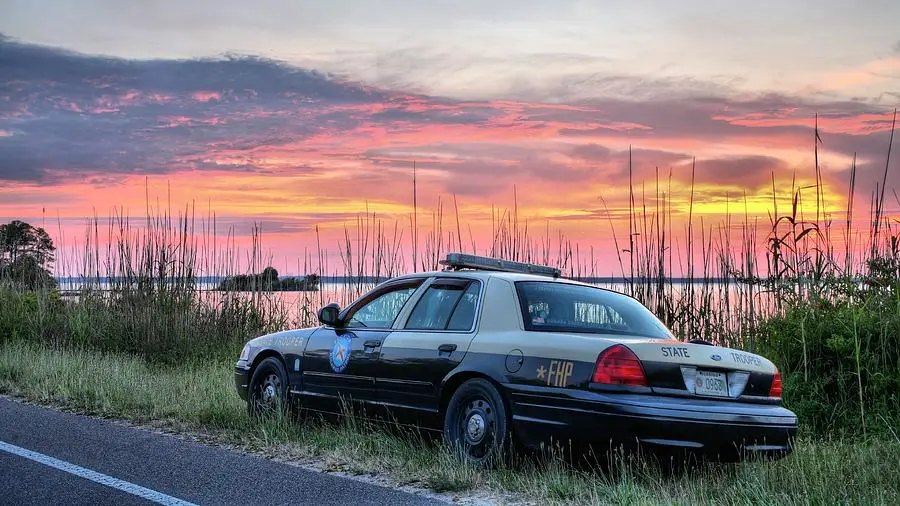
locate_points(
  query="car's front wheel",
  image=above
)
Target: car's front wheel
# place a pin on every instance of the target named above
(268, 389)
(476, 425)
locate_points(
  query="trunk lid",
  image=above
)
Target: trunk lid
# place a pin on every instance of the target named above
(703, 370)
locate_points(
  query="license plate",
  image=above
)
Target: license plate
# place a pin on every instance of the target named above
(711, 383)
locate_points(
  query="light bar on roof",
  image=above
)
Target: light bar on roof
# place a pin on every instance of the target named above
(465, 261)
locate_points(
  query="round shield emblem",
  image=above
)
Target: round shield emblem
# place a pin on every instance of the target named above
(340, 353)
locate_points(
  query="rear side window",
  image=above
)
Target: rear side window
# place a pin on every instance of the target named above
(446, 305)
(561, 307)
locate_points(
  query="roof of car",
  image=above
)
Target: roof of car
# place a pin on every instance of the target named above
(484, 274)
(463, 265)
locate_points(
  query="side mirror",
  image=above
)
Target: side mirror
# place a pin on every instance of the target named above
(329, 314)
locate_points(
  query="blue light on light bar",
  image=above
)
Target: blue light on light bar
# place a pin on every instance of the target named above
(463, 260)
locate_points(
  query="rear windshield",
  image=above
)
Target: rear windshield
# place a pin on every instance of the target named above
(561, 307)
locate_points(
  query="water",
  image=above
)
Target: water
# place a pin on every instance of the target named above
(299, 307)
(718, 310)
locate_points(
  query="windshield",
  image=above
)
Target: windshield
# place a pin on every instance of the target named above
(561, 307)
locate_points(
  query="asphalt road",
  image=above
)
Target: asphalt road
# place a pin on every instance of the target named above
(51, 457)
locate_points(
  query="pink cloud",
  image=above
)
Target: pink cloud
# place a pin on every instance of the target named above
(184, 121)
(859, 124)
(206, 96)
(136, 97)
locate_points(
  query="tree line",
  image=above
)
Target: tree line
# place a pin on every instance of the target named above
(27, 254)
(269, 280)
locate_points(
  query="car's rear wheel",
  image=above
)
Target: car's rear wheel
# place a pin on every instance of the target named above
(476, 424)
(268, 390)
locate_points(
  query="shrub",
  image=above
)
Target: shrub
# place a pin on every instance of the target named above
(840, 360)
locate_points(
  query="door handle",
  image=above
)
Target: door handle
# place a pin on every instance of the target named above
(447, 348)
(372, 343)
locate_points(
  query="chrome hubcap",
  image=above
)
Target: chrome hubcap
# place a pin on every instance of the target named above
(475, 428)
(268, 392)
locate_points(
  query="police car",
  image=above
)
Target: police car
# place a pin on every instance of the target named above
(492, 352)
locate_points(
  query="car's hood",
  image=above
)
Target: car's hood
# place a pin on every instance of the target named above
(285, 340)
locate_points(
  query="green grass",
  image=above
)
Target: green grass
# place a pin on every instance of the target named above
(199, 397)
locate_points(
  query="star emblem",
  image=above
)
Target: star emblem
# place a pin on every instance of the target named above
(340, 353)
(541, 372)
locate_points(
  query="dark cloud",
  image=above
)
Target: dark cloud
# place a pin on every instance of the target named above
(484, 168)
(593, 152)
(748, 171)
(14, 195)
(234, 76)
(639, 157)
(897, 47)
(74, 114)
(240, 226)
(277, 225)
(453, 152)
(760, 119)
(701, 117)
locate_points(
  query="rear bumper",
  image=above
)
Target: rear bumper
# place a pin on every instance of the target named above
(242, 380)
(721, 430)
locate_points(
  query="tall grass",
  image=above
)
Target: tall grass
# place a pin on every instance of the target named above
(199, 400)
(140, 292)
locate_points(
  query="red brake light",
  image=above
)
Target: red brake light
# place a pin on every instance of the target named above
(618, 365)
(775, 389)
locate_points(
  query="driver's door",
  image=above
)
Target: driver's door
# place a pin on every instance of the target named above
(340, 361)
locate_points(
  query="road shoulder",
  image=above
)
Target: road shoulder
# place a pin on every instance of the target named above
(183, 466)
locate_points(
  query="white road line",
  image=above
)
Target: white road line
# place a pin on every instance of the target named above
(94, 476)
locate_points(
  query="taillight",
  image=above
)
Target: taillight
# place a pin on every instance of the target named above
(618, 365)
(775, 389)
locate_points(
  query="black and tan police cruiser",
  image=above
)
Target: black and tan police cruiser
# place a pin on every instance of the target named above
(492, 351)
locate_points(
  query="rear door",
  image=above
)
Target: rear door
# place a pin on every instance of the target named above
(341, 362)
(431, 342)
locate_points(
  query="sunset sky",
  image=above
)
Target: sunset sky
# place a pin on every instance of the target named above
(290, 115)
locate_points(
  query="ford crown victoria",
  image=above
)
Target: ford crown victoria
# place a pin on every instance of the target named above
(492, 352)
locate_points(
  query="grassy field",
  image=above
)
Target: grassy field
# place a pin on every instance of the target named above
(199, 397)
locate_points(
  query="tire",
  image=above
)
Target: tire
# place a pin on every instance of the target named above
(268, 396)
(476, 424)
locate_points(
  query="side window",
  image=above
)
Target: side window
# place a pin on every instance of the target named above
(463, 317)
(381, 311)
(446, 305)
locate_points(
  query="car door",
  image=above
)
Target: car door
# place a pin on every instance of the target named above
(339, 362)
(431, 342)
